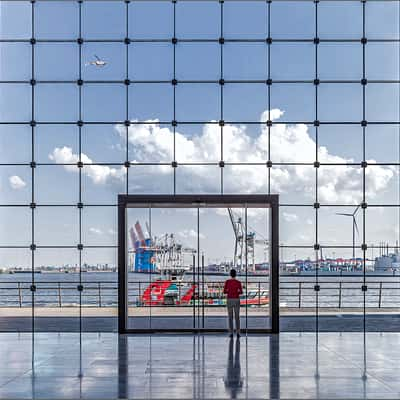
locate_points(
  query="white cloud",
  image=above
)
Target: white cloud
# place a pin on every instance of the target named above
(16, 182)
(288, 143)
(95, 231)
(289, 217)
(190, 234)
(99, 174)
(304, 238)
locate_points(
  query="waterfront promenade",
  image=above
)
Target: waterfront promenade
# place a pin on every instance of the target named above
(108, 322)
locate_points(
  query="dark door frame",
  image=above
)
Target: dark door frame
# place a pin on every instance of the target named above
(198, 200)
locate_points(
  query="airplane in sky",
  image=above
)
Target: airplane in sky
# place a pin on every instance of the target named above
(97, 62)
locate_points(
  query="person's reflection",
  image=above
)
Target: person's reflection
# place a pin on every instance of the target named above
(233, 380)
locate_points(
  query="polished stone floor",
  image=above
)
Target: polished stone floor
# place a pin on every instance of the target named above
(286, 366)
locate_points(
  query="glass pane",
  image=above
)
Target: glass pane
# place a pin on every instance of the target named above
(198, 20)
(56, 103)
(340, 61)
(100, 288)
(245, 179)
(56, 20)
(292, 61)
(102, 183)
(382, 143)
(140, 269)
(57, 294)
(67, 56)
(198, 61)
(340, 184)
(16, 22)
(99, 226)
(204, 109)
(151, 20)
(16, 184)
(15, 62)
(297, 227)
(382, 61)
(382, 20)
(203, 145)
(160, 266)
(257, 291)
(58, 184)
(346, 220)
(16, 227)
(296, 102)
(15, 143)
(15, 291)
(110, 109)
(331, 139)
(336, 21)
(156, 62)
(103, 144)
(382, 102)
(48, 220)
(245, 61)
(174, 239)
(283, 177)
(215, 263)
(56, 143)
(103, 20)
(150, 142)
(144, 179)
(242, 102)
(244, 20)
(198, 179)
(292, 20)
(347, 99)
(298, 268)
(15, 103)
(151, 102)
(112, 54)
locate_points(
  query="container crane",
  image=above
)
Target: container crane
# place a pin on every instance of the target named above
(244, 244)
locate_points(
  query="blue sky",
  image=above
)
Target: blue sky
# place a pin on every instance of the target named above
(57, 144)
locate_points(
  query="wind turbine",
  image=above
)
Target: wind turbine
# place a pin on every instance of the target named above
(355, 228)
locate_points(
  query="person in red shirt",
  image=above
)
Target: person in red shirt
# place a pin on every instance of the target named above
(233, 290)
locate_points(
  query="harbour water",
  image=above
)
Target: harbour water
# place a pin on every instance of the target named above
(100, 288)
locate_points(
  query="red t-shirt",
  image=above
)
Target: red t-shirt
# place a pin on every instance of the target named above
(233, 288)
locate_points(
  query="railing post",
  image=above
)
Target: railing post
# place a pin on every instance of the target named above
(380, 294)
(19, 294)
(340, 294)
(59, 294)
(99, 288)
(299, 294)
(259, 294)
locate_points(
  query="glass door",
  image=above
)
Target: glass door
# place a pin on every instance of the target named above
(234, 238)
(174, 258)
(162, 252)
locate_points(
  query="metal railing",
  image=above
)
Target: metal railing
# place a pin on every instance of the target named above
(340, 294)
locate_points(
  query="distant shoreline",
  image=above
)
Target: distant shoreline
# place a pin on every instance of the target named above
(218, 273)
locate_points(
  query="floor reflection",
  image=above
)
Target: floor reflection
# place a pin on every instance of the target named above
(104, 366)
(233, 379)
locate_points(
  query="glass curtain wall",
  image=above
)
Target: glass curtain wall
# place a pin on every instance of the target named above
(298, 98)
